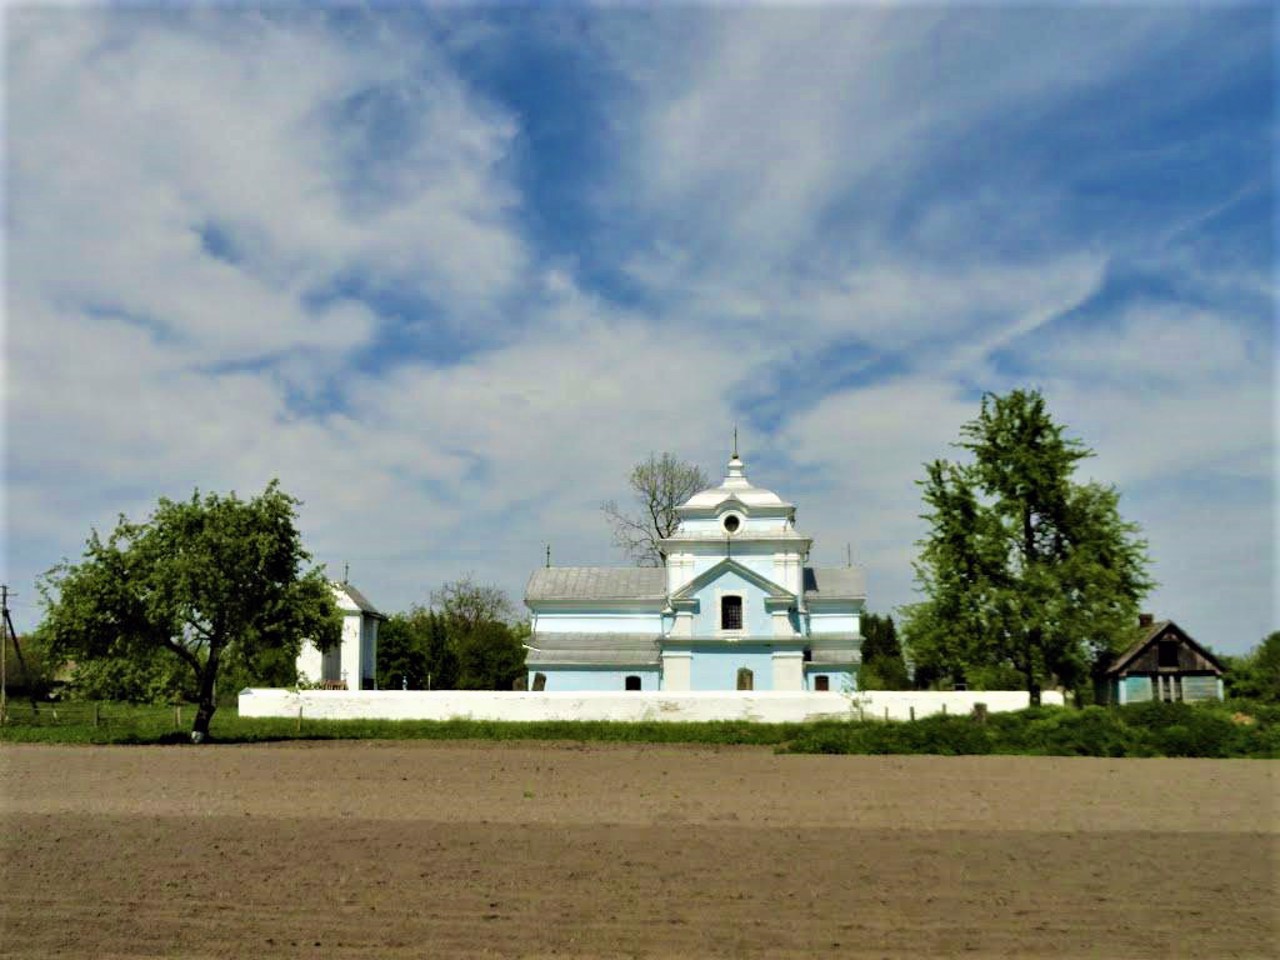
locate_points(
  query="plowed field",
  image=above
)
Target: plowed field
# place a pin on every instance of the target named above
(459, 850)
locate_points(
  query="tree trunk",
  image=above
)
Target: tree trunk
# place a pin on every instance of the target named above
(207, 702)
(1029, 669)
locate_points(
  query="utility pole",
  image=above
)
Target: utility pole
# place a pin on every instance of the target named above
(4, 653)
(6, 634)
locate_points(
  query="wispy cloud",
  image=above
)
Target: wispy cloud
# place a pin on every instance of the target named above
(449, 273)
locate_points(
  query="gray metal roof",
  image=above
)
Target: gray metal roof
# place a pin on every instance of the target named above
(597, 583)
(835, 655)
(360, 600)
(835, 583)
(590, 649)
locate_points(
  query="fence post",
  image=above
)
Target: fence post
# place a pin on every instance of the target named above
(299, 718)
(913, 713)
(97, 713)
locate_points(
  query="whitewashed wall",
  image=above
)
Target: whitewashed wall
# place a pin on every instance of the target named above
(761, 706)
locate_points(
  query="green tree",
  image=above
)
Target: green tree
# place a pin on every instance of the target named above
(414, 652)
(206, 581)
(1023, 567)
(490, 657)
(883, 667)
(477, 644)
(1256, 675)
(658, 485)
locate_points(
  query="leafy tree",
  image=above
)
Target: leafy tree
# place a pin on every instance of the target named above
(490, 656)
(148, 676)
(1023, 567)
(29, 670)
(659, 485)
(883, 667)
(206, 581)
(414, 652)
(1256, 675)
(465, 604)
(467, 640)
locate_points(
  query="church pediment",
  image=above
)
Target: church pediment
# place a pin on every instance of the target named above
(774, 592)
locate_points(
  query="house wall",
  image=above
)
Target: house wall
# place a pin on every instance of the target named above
(597, 621)
(823, 622)
(768, 707)
(716, 668)
(351, 661)
(599, 679)
(369, 652)
(1135, 690)
(310, 662)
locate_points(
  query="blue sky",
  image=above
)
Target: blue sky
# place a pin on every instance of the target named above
(448, 272)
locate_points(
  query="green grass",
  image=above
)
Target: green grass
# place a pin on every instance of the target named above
(1142, 730)
(125, 724)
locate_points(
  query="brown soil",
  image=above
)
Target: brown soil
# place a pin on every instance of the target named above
(445, 850)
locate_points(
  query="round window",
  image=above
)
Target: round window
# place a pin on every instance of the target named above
(732, 522)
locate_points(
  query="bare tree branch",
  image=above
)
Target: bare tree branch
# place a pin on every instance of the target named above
(659, 484)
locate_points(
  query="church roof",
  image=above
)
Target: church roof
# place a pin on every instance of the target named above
(597, 583)
(735, 486)
(835, 583)
(590, 649)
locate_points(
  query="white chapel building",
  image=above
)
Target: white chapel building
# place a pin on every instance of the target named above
(352, 663)
(736, 608)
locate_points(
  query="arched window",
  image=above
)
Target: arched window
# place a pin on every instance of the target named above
(539, 682)
(731, 613)
(746, 679)
(633, 682)
(822, 683)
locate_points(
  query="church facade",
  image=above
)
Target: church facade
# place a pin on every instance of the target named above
(736, 608)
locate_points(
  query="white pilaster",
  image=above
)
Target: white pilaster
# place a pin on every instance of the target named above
(788, 670)
(677, 671)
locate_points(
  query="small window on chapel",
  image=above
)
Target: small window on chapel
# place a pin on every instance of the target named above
(730, 613)
(633, 683)
(822, 683)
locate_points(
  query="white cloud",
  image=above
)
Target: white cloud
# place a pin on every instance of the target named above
(772, 191)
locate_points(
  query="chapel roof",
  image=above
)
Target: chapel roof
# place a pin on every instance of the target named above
(835, 583)
(629, 649)
(359, 599)
(597, 583)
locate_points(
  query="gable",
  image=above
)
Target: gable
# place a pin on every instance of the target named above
(1143, 656)
(730, 572)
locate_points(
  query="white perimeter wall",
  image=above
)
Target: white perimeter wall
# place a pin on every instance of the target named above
(762, 706)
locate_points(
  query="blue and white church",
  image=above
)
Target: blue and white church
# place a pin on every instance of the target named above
(736, 608)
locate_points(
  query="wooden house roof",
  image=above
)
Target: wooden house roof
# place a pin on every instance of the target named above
(1162, 630)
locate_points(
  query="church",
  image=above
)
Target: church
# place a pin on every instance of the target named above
(735, 608)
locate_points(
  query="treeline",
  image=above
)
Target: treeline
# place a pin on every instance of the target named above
(467, 639)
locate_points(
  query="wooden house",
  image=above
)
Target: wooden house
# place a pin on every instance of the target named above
(1164, 663)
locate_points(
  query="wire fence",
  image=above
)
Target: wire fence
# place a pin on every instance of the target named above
(97, 714)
